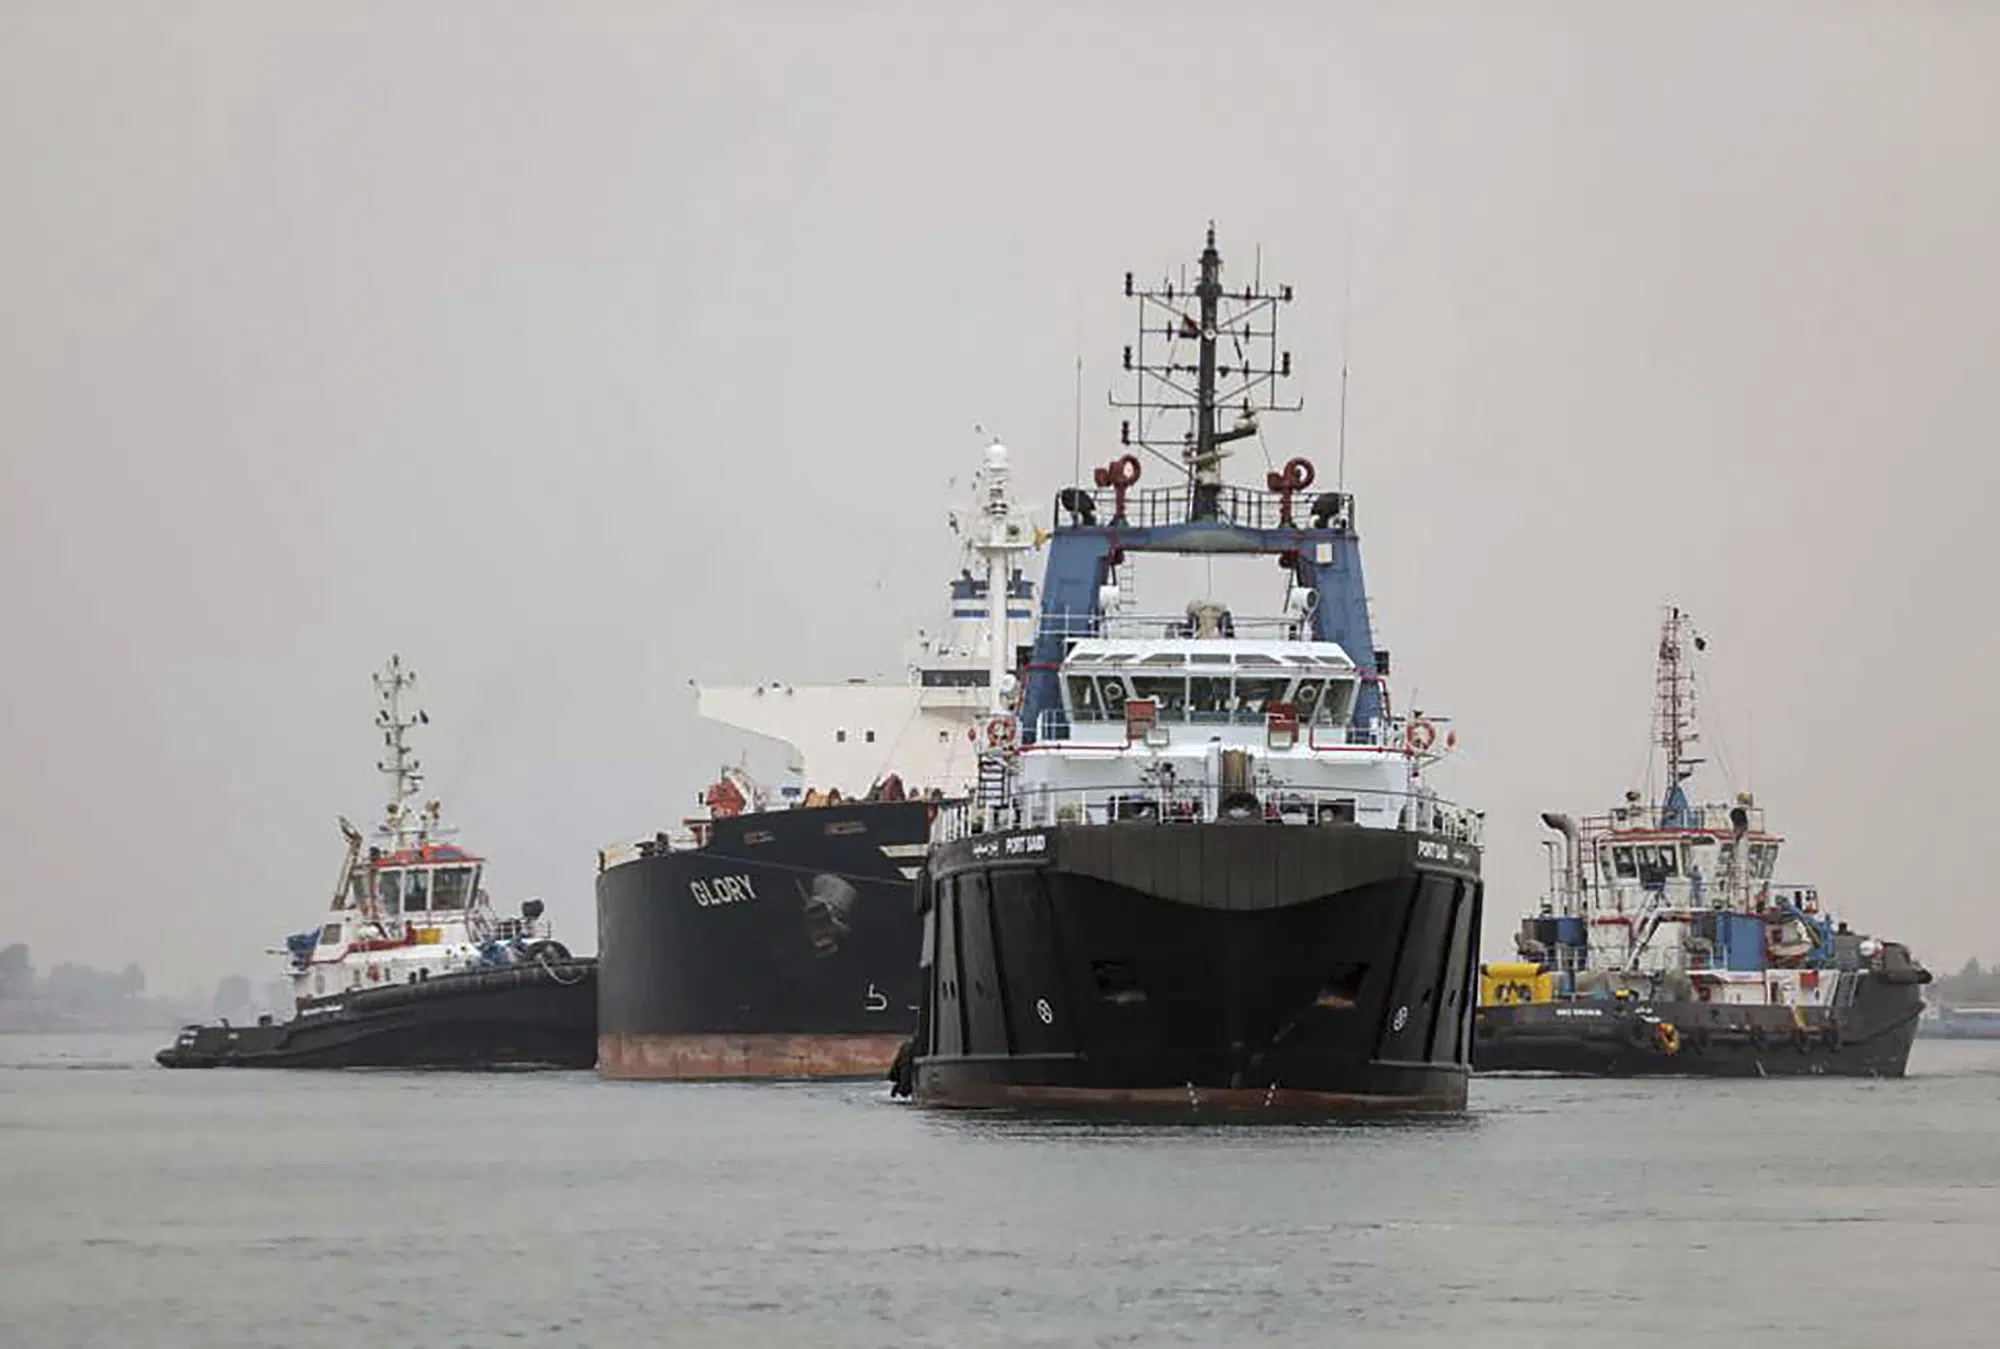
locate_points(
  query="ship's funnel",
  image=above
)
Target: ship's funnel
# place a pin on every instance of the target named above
(1572, 851)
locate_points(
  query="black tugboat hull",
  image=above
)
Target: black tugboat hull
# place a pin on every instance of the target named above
(523, 1016)
(784, 948)
(1205, 968)
(1871, 1037)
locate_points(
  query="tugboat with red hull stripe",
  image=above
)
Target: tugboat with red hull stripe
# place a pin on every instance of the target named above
(412, 968)
(1203, 871)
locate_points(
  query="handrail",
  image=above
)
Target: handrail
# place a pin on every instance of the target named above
(1189, 801)
(1155, 507)
(1653, 818)
(1051, 722)
(1080, 624)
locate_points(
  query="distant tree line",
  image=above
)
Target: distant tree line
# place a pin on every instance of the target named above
(73, 987)
(1970, 986)
(83, 997)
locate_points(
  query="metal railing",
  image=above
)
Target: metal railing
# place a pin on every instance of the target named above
(1075, 626)
(1153, 507)
(1051, 725)
(1195, 802)
(1655, 817)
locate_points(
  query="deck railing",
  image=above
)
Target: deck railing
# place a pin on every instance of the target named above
(1075, 626)
(1193, 802)
(1154, 507)
(1052, 723)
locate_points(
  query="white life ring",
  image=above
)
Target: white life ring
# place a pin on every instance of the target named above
(1420, 736)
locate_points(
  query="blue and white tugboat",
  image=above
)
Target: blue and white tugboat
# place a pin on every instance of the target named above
(1202, 871)
(411, 967)
(1666, 943)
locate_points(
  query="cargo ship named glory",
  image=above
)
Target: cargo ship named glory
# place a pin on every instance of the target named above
(773, 934)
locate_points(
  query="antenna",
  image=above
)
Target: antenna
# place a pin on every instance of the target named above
(1346, 296)
(1076, 470)
(1673, 719)
(401, 765)
(1245, 375)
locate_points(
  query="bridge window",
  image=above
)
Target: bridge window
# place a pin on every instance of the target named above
(1115, 690)
(1253, 695)
(392, 892)
(1306, 697)
(357, 888)
(947, 678)
(451, 888)
(330, 935)
(1169, 691)
(416, 892)
(1208, 699)
(1336, 706)
(1622, 863)
(1083, 700)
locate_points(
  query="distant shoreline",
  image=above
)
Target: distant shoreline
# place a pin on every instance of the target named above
(36, 1018)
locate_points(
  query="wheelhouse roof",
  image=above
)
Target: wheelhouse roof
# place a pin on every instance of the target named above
(1165, 655)
(426, 855)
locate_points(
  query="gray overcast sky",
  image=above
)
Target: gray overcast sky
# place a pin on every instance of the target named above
(574, 351)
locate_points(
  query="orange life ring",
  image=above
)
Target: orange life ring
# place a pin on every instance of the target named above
(1000, 732)
(1420, 736)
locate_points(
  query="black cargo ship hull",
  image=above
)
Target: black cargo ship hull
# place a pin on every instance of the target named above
(542, 1015)
(1201, 968)
(1870, 1037)
(785, 947)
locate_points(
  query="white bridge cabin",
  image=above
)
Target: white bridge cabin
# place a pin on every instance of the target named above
(1686, 898)
(404, 915)
(1213, 726)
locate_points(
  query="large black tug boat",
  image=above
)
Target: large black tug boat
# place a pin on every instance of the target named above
(412, 968)
(1202, 870)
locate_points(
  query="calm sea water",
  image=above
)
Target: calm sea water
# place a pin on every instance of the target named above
(145, 1207)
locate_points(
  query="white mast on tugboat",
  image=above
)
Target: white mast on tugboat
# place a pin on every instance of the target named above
(402, 823)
